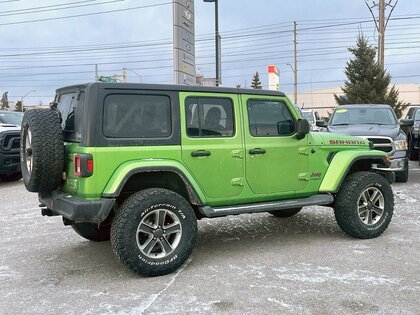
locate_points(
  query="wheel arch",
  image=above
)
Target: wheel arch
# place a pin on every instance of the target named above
(345, 163)
(143, 177)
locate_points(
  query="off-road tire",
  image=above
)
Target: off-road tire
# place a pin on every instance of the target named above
(44, 151)
(402, 176)
(346, 208)
(11, 177)
(125, 235)
(287, 213)
(413, 153)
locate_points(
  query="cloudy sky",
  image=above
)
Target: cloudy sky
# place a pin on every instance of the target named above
(48, 44)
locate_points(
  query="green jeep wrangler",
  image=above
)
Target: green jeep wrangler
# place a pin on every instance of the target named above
(139, 164)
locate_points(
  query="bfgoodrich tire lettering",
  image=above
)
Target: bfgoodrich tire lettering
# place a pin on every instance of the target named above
(364, 205)
(154, 232)
(41, 150)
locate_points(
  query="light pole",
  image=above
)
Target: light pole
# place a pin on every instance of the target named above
(217, 36)
(140, 77)
(22, 97)
(295, 82)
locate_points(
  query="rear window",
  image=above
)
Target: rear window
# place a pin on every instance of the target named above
(71, 107)
(137, 116)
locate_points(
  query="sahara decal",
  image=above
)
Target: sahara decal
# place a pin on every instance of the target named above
(347, 142)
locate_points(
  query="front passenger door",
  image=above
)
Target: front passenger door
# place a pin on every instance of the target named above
(276, 161)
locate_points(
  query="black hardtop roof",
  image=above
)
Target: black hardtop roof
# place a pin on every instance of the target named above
(363, 106)
(169, 87)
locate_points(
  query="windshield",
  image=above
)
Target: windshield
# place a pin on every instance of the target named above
(13, 118)
(308, 116)
(417, 116)
(370, 115)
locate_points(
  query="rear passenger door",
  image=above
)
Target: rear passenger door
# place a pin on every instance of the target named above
(212, 146)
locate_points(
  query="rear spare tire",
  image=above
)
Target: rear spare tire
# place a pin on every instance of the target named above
(41, 150)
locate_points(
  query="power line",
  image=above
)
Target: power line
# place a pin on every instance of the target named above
(87, 14)
(50, 8)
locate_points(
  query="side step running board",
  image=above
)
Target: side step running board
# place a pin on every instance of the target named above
(316, 200)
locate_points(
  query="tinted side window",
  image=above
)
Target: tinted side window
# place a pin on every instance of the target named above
(269, 118)
(209, 117)
(71, 107)
(137, 116)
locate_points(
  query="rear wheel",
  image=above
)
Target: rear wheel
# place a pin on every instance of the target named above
(154, 232)
(285, 213)
(364, 205)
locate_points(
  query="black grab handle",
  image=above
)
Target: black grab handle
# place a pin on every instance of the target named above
(257, 151)
(200, 153)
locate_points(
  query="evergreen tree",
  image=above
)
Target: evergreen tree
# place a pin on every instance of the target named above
(4, 101)
(366, 83)
(256, 83)
(19, 107)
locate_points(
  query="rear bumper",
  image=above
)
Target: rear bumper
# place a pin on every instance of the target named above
(77, 209)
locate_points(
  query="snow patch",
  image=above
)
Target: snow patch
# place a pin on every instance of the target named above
(309, 274)
(7, 274)
(405, 197)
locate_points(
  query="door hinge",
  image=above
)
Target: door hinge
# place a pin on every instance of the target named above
(304, 177)
(238, 154)
(237, 181)
(303, 151)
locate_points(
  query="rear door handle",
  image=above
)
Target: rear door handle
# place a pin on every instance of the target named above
(200, 153)
(256, 151)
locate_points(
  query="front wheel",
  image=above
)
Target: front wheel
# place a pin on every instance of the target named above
(364, 205)
(402, 176)
(413, 153)
(154, 232)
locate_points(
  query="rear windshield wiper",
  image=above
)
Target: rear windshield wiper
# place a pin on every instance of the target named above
(340, 124)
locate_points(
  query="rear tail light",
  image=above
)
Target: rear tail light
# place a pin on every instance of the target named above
(83, 165)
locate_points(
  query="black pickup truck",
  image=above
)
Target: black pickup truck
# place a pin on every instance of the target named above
(378, 124)
(413, 133)
(9, 145)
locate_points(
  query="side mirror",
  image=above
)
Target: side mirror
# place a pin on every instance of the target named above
(406, 122)
(302, 128)
(321, 123)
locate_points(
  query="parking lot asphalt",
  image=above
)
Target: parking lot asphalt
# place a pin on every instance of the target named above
(252, 263)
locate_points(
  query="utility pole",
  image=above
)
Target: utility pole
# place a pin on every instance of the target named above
(381, 34)
(295, 59)
(124, 75)
(381, 24)
(96, 73)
